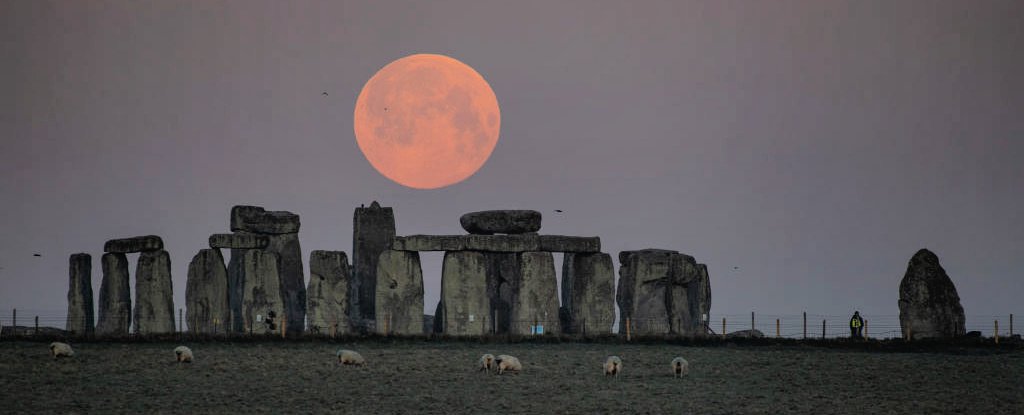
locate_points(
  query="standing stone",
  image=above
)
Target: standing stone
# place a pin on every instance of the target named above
(464, 302)
(535, 306)
(293, 281)
(206, 293)
(399, 302)
(373, 229)
(929, 304)
(501, 221)
(236, 288)
(80, 314)
(588, 294)
(503, 278)
(327, 295)
(154, 295)
(262, 305)
(700, 301)
(115, 308)
(682, 285)
(643, 288)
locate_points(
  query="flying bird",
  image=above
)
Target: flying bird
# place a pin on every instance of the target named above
(558, 210)
(325, 93)
(36, 255)
(735, 267)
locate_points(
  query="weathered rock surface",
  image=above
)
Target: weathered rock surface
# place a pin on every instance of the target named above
(115, 305)
(206, 293)
(655, 291)
(262, 305)
(464, 301)
(428, 323)
(255, 219)
(80, 308)
(700, 300)
(135, 244)
(588, 294)
(238, 241)
(501, 221)
(497, 243)
(154, 295)
(372, 233)
(504, 275)
(535, 303)
(399, 303)
(236, 288)
(682, 286)
(929, 303)
(327, 295)
(745, 334)
(292, 277)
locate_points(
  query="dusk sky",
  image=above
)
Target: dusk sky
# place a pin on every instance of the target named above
(815, 145)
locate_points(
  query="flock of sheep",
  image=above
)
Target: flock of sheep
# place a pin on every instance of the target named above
(488, 362)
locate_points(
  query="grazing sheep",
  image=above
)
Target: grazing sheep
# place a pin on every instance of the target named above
(487, 362)
(58, 349)
(612, 366)
(350, 357)
(680, 367)
(506, 362)
(183, 354)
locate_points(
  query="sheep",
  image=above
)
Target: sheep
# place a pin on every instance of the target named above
(58, 349)
(183, 354)
(506, 362)
(612, 366)
(680, 367)
(350, 357)
(487, 362)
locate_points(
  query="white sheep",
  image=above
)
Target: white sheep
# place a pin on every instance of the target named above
(612, 366)
(183, 354)
(680, 367)
(506, 362)
(350, 357)
(487, 362)
(58, 349)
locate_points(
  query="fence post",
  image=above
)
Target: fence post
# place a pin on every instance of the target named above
(823, 329)
(181, 328)
(628, 326)
(36, 333)
(996, 333)
(723, 327)
(866, 336)
(751, 323)
(1011, 325)
(805, 324)
(14, 321)
(777, 334)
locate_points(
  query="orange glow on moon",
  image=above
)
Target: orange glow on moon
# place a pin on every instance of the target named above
(427, 121)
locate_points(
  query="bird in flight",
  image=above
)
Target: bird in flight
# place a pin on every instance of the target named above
(37, 255)
(558, 210)
(325, 93)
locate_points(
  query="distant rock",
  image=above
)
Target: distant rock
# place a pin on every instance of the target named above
(154, 295)
(929, 303)
(745, 334)
(115, 303)
(80, 308)
(134, 244)
(501, 221)
(238, 241)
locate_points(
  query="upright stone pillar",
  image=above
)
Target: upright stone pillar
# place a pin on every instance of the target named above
(262, 305)
(464, 301)
(700, 300)
(206, 293)
(115, 308)
(929, 303)
(327, 295)
(373, 229)
(642, 292)
(588, 294)
(154, 294)
(80, 309)
(399, 302)
(535, 307)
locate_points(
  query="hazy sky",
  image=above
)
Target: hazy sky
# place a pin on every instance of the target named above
(816, 145)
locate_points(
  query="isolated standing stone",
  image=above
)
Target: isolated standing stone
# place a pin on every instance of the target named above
(372, 233)
(206, 293)
(588, 294)
(80, 311)
(929, 304)
(464, 302)
(115, 307)
(293, 281)
(135, 244)
(327, 295)
(501, 221)
(262, 305)
(399, 303)
(154, 295)
(535, 305)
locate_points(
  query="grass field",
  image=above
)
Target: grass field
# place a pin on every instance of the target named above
(440, 377)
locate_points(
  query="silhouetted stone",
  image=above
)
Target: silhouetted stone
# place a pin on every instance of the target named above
(464, 301)
(535, 302)
(429, 243)
(135, 244)
(501, 221)
(929, 304)
(700, 300)
(236, 288)
(206, 293)
(292, 277)
(504, 275)
(643, 286)
(255, 219)
(262, 305)
(115, 305)
(399, 303)
(80, 312)
(327, 295)
(428, 323)
(683, 281)
(588, 293)
(579, 244)
(154, 295)
(238, 241)
(372, 233)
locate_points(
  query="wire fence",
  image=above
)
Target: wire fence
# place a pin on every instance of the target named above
(29, 322)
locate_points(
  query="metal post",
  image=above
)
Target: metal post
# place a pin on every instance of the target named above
(723, 327)
(37, 326)
(181, 327)
(777, 333)
(805, 324)
(751, 322)
(14, 321)
(996, 337)
(1011, 325)
(823, 329)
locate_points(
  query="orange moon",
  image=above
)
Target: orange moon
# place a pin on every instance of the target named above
(427, 121)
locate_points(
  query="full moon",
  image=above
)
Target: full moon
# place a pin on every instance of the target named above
(427, 121)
